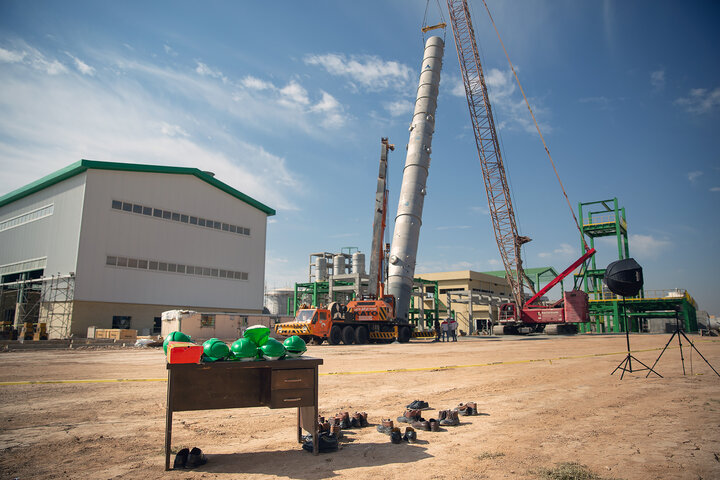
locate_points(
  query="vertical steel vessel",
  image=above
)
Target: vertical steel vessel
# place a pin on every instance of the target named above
(403, 251)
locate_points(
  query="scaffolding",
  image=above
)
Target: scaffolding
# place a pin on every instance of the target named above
(36, 301)
(605, 218)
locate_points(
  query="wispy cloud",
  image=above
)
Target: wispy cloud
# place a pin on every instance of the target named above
(715, 189)
(399, 108)
(364, 72)
(169, 50)
(55, 113)
(647, 246)
(564, 251)
(694, 175)
(81, 66)
(480, 209)
(508, 105)
(657, 79)
(700, 100)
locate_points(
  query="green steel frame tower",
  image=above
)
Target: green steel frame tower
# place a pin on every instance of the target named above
(605, 218)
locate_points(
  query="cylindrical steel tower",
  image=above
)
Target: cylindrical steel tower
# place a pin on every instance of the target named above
(404, 247)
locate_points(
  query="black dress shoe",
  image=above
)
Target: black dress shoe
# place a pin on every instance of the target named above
(196, 458)
(181, 458)
(326, 443)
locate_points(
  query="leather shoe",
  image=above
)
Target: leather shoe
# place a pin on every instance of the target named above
(196, 458)
(395, 435)
(410, 435)
(326, 443)
(181, 458)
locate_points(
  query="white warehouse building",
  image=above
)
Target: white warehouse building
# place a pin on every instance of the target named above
(113, 245)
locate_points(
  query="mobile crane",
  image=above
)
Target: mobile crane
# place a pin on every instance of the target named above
(370, 318)
(520, 316)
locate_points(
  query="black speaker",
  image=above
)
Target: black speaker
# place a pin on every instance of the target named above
(624, 277)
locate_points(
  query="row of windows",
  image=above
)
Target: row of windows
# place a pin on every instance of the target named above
(159, 266)
(178, 217)
(36, 214)
(24, 266)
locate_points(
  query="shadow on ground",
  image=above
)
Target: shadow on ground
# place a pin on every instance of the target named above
(310, 467)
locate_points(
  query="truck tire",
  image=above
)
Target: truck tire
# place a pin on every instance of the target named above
(404, 334)
(362, 336)
(335, 336)
(315, 340)
(348, 335)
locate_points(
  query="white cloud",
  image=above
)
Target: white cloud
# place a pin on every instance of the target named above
(509, 108)
(27, 55)
(294, 94)
(657, 79)
(254, 83)
(715, 189)
(331, 109)
(399, 108)
(7, 56)
(646, 246)
(693, 176)
(700, 100)
(204, 70)
(564, 251)
(81, 66)
(368, 72)
(172, 130)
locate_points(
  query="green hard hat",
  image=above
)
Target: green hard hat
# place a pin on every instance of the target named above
(258, 334)
(272, 350)
(295, 346)
(175, 337)
(215, 349)
(243, 349)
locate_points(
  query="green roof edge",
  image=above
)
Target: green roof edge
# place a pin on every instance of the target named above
(83, 165)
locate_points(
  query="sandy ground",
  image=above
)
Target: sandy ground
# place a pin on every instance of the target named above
(543, 400)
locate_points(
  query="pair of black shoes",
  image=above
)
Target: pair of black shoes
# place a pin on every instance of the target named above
(189, 458)
(327, 442)
(418, 405)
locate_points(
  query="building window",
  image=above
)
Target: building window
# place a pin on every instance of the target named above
(157, 325)
(147, 211)
(28, 217)
(122, 322)
(157, 213)
(167, 214)
(137, 208)
(127, 207)
(207, 321)
(144, 264)
(193, 220)
(117, 205)
(111, 260)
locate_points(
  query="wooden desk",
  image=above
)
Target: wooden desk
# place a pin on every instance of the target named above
(273, 384)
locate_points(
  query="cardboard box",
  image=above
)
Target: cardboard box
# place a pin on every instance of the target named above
(184, 352)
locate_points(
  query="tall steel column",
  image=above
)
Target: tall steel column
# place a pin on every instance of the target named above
(403, 251)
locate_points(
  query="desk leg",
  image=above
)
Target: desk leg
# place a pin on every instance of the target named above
(168, 421)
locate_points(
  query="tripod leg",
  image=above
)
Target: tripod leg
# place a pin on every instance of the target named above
(698, 352)
(661, 354)
(646, 368)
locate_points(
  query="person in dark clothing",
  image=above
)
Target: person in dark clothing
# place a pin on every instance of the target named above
(436, 326)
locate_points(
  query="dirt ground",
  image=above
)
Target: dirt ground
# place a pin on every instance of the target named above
(543, 400)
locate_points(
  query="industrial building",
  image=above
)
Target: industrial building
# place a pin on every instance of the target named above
(113, 245)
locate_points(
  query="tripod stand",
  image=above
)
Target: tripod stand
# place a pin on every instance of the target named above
(626, 364)
(678, 331)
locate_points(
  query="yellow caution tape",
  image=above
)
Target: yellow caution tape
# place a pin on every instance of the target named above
(367, 372)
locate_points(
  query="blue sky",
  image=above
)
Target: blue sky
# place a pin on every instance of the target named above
(287, 101)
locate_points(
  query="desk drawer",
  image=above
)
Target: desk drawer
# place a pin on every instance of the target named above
(301, 397)
(293, 379)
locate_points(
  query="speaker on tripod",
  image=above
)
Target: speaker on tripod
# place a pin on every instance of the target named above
(625, 278)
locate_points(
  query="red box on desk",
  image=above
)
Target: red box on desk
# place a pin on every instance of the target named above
(184, 352)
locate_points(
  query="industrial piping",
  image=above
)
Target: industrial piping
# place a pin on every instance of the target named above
(403, 252)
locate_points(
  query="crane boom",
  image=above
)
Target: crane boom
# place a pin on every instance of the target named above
(377, 254)
(496, 186)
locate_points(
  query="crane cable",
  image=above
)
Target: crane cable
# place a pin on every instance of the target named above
(547, 150)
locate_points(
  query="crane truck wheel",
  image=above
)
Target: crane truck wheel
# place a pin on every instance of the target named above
(348, 335)
(404, 334)
(335, 336)
(362, 336)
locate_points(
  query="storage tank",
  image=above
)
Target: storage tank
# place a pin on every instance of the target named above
(358, 263)
(339, 265)
(321, 273)
(276, 300)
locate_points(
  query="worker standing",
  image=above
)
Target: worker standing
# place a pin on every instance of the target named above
(436, 326)
(452, 327)
(445, 330)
